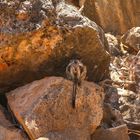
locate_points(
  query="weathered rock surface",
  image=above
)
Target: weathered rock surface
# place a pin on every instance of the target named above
(111, 95)
(116, 133)
(111, 117)
(77, 3)
(134, 72)
(129, 105)
(39, 38)
(8, 131)
(114, 16)
(113, 44)
(131, 39)
(44, 109)
(73, 2)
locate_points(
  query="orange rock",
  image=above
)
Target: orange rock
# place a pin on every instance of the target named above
(23, 16)
(45, 44)
(3, 66)
(44, 108)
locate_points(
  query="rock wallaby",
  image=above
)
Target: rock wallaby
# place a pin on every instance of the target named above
(76, 72)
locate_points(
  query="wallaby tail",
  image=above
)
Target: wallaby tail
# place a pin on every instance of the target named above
(74, 94)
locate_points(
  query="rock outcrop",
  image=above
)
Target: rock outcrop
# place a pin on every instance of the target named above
(44, 109)
(7, 130)
(114, 16)
(38, 38)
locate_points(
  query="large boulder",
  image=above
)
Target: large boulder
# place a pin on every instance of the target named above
(114, 16)
(38, 38)
(7, 130)
(44, 109)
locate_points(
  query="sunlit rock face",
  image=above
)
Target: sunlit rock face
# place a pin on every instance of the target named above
(114, 16)
(38, 38)
(7, 130)
(129, 107)
(113, 44)
(44, 109)
(134, 72)
(131, 39)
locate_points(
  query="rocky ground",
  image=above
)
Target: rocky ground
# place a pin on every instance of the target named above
(38, 38)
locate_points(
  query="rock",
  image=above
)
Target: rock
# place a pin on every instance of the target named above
(44, 109)
(113, 44)
(81, 3)
(129, 105)
(77, 3)
(132, 39)
(38, 38)
(73, 2)
(133, 125)
(8, 131)
(120, 68)
(111, 117)
(111, 95)
(115, 16)
(116, 133)
(42, 138)
(134, 72)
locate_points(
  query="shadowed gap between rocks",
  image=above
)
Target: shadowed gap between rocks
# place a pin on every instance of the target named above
(8, 113)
